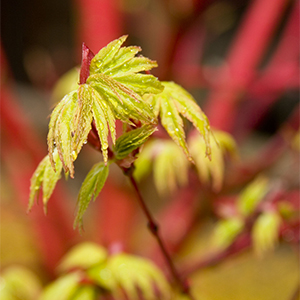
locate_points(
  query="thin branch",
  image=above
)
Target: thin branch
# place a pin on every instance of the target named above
(154, 228)
(240, 245)
(296, 293)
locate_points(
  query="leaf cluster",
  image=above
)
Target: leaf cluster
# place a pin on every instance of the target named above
(122, 275)
(112, 88)
(266, 220)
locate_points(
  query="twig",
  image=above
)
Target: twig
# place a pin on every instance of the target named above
(237, 247)
(154, 228)
(296, 293)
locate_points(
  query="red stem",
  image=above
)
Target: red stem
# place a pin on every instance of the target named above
(154, 229)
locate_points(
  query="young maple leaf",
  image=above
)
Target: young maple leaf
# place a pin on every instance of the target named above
(173, 102)
(110, 88)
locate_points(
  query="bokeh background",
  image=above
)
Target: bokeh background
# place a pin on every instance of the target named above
(238, 58)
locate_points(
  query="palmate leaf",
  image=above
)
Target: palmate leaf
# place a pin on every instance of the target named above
(132, 140)
(64, 288)
(84, 256)
(45, 177)
(18, 282)
(131, 273)
(170, 165)
(90, 189)
(212, 169)
(112, 89)
(173, 102)
(170, 168)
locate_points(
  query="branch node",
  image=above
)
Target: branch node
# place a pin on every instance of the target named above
(153, 227)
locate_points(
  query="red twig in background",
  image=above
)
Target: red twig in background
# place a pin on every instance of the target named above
(20, 154)
(245, 54)
(99, 22)
(281, 73)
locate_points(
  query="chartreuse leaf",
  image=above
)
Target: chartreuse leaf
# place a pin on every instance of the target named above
(19, 283)
(82, 119)
(69, 102)
(50, 178)
(125, 102)
(252, 195)
(64, 288)
(170, 167)
(45, 177)
(265, 232)
(212, 169)
(113, 73)
(173, 102)
(86, 293)
(144, 160)
(226, 231)
(112, 91)
(132, 140)
(83, 256)
(131, 273)
(90, 189)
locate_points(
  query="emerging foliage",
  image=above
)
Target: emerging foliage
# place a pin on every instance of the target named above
(83, 256)
(252, 195)
(64, 288)
(226, 231)
(130, 272)
(112, 90)
(90, 189)
(170, 166)
(17, 282)
(173, 102)
(132, 140)
(265, 232)
(211, 169)
(45, 177)
(121, 274)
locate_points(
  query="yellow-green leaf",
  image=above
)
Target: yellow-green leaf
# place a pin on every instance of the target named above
(125, 102)
(131, 140)
(83, 118)
(17, 282)
(90, 189)
(226, 231)
(103, 276)
(173, 123)
(86, 293)
(64, 288)
(105, 56)
(131, 272)
(173, 102)
(170, 168)
(54, 136)
(144, 160)
(50, 178)
(141, 83)
(37, 180)
(213, 169)
(114, 73)
(84, 255)
(45, 177)
(265, 232)
(252, 195)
